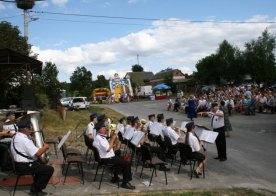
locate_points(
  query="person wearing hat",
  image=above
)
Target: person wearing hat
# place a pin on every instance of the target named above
(218, 125)
(194, 143)
(90, 130)
(105, 148)
(160, 135)
(173, 134)
(25, 155)
(10, 123)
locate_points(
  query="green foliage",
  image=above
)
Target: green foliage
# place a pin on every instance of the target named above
(229, 64)
(137, 68)
(81, 81)
(11, 38)
(50, 81)
(101, 82)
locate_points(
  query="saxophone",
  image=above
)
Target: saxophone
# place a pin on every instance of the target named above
(38, 134)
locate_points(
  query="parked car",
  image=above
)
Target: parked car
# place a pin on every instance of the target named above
(65, 101)
(79, 103)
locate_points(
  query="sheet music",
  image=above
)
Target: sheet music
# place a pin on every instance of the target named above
(183, 126)
(207, 136)
(137, 137)
(120, 128)
(64, 138)
(129, 133)
(156, 128)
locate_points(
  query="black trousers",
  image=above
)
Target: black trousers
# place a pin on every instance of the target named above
(42, 173)
(121, 166)
(221, 142)
(4, 155)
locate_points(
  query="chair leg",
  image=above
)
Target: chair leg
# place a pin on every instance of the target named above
(179, 166)
(90, 158)
(203, 170)
(56, 150)
(154, 168)
(142, 170)
(17, 179)
(82, 173)
(66, 172)
(101, 178)
(166, 177)
(96, 172)
(192, 172)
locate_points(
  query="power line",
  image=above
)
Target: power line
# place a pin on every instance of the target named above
(10, 16)
(155, 19)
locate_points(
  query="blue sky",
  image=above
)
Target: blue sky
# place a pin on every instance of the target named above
(106, 46)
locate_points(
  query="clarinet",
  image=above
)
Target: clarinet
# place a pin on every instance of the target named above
(204, 149)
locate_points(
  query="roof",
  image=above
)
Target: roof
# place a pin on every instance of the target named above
(164, 74)
(140, 76)
(13, 61)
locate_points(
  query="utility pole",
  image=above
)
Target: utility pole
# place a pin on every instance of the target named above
(138, 59)
(26, 17)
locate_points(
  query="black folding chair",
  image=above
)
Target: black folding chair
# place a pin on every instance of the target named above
(88, 145)
(171, 150)
(101, 164)
(151, 161)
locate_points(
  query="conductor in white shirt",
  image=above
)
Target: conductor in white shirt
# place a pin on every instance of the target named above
(25, 154)
(105, 148)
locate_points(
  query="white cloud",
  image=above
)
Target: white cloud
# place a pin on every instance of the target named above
(173, 44)
(132, 1)
(59, 2)
(42, 4)
(2, 6)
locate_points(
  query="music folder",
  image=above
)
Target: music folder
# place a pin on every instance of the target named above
(129, 133)
(137, 137)
(183, 126)
(206, 135)
(120, 128)
(64, 138)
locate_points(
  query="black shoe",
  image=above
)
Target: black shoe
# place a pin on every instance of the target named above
(196, 174)
(163, 168)
(127, 186)
(217, 158)
(223, 159)
(115, 179)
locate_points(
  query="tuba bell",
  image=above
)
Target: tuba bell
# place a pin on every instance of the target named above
(38, 134)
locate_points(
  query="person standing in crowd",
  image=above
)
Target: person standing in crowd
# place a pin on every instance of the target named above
(194, 143)
(90, 130)
(227, 123)
(25, 154)
(192, 108)
(105, 148)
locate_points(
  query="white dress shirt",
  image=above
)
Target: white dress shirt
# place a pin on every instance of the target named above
(193, 142)
(102, 144)
(10, 126)
(91, 129)
(25, 146)
(217, 121)
(172, 135)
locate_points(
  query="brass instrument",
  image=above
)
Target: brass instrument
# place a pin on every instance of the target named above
(143, 125)
(38, 134)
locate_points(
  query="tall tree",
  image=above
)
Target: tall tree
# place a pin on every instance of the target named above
(260, 58)
(81, 82)
(101, 82)
(50, 81)
(137, 68)
(11, 38)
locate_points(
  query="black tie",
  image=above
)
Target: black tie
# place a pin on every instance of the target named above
(212, 120)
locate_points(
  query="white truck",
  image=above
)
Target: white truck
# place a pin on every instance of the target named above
(144, 91)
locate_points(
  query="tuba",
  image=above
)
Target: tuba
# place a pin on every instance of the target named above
(38, 134)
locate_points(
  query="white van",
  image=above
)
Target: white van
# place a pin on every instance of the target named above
(79, 103)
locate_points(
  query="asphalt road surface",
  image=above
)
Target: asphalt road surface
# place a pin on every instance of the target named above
(251, 148)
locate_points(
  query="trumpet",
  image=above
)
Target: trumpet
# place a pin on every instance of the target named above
(143, 125)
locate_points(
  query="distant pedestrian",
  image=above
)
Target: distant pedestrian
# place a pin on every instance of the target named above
(192, 108)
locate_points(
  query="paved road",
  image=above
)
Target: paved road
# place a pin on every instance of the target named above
(251, 159)
(251, 148)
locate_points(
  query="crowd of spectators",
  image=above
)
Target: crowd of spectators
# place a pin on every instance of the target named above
(245, 100)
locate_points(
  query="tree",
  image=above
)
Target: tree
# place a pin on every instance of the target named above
(11, 38)
(81, 82)
(101, 82)
(137, 68)
(260, 59)
(50, 81)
